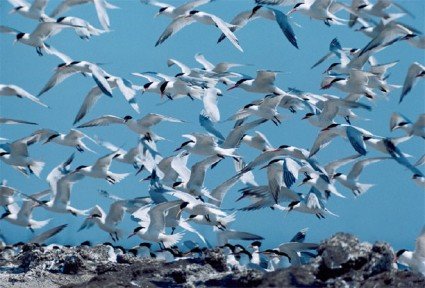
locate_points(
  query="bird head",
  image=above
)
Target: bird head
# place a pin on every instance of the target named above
(331, 67)
(330, 127)
(135, 231)
(336, 175)
(296, 7)
(80, 167)
(51, 137)
(16, 9)
(254, 10)
(162, 10)
(183, 145)
(308, 115)
(237, 84)
(5, 214)
(128, 117)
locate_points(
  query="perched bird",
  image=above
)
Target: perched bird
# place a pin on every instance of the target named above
(414, 259)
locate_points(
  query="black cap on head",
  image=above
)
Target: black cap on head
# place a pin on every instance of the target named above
(127, 117)
(400, 252)
(184, 205)
(256, 243)
(137, 229)
(19, 35)
(193, 12)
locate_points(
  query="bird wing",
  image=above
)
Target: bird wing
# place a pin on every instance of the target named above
(265, 78)
(20, 147)
(322, 140)
(198, 170)
(285, 26)
(99, 77)
(58, 172)
(414, 70)
(275, 179)
(152, 119)
(129, 93)
(224, 236)
(220, 191)
(9, 30)
(59, 76)
(200, 58)
(183, 9)
(91, 98)
(277, 2)
(205, 121)
(331, 167)
(176, 25)
(420, 245)
(15, 121)
(185, 69)
(290, 171)
(355, 136)
(359, 165)
(210, 104)
(23, 93)
(105, 161)
(41, 238)
(223, 26)
(397, 119)
(29, 203)
(62, 7)
(102, 15)
(116, 213)
(179, 165)
(239, 21)
(17, 3)
(103, 121)
(157, 216)
(38, 5)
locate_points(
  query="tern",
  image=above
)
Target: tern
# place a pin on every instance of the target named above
(258, 141)
(13, 90)
(72, 139)
(314, 179)
(263, 83)
(204, 144)
(33, 11)
(416, 71)
(7, 194)
(10, 121)
(100, 169)
(243, 18)
(398, 121)
(38, 37)
(125, 87)
(321, 10)
(107, 222)
(84, 29)
(414, 259)
(223, 237)
(141, 126)
(350, 180)
(16, 154)
(195, 206)
(69, 68)
(154, 231)
(173, 12)
(100, 5)
(22, 216)
(197, 16)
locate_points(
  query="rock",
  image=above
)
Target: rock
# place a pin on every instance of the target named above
(342, 261)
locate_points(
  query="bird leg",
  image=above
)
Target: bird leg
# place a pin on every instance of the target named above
(116, 236)
(38, 49)
(347, 119)
(29, 227)
(190, 96)
(29, 168)
(207, 217)
(135, 165)
(110, 179)
(79, 148)
(172, 230)
(112, 236)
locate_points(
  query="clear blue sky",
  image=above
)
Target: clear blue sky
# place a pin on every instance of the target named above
(393, 210)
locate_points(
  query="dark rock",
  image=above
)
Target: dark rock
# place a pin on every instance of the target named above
(72, 265)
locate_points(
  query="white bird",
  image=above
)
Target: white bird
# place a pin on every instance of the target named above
(84, 29)
(210, 104)
(154, 229)
(6, 194)
(10, 121)
(350, 180)
(197, 16)
(125, 87)
(320, 10)
(415, 260)
(141, 126)
(100, 169)
(204, 144)
(69, 68)
(224, 236)
(265, 108)
(16, 154)
(416, 71)
(107, 222)
(399, 121)
(419, 180)
(325, 187)
(73, 138)
(258, 141)
(22, 216)
(37, 38)
(100, 5)
(243, 18)
(194, 185)
(237, 134)
(263, 83)
(33, 11)
(354, 135)
(172, 11)
(13, 90)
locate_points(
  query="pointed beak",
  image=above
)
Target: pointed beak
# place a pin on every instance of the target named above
(156, 15)
(302, 183)
(292, 11)
(12, 11)
(131, 235)
(233, 87)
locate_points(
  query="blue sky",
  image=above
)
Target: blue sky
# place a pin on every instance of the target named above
(392, 211)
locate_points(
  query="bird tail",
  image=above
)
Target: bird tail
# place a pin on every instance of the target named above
(228, 219)
(117, 177)
(36, 167)
(39, 224)
(362, 188)
(171, 240)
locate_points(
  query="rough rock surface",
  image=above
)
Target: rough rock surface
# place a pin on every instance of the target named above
(342, 261)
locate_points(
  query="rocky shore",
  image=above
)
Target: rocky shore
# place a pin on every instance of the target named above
(342, 261)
